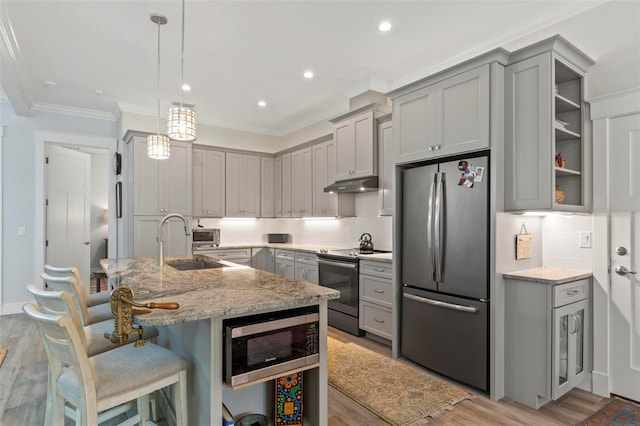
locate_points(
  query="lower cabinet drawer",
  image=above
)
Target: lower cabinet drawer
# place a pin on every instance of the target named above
(375, 319)
(571, 292)
(376, 290)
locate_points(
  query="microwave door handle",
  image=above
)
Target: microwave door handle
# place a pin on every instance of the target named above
(438, 209)
(430, 207)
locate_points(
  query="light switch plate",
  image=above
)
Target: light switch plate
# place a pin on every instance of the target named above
(585, 239)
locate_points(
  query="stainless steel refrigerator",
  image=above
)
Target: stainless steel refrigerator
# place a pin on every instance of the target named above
(445, 246)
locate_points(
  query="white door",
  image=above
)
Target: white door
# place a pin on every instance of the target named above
(624, 190)
(68, 211)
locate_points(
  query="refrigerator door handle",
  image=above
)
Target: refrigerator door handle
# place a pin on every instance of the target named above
(430, 247)
(438, 219)
(441, 304)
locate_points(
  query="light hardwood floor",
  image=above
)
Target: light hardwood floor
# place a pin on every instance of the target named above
(23, 382)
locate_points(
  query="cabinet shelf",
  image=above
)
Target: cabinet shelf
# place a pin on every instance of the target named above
(565, 134)
(564, 104)
(561, 171)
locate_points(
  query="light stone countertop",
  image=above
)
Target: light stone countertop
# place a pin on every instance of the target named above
(301, 247)
(548, 275)
(207, 293)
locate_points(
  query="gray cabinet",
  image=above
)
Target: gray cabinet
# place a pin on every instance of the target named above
(145, 231)
(243, 185)
(285, 263)
(240, 256)
(547, 156)
(444, 118)
(161, 186)
(356, 153)
(287, 206)
(386, 169)
(208, 182)
(301, 183)
(277, 190)
(324, 166)
(267, 187)
(306, 266)
(263, 258)
(547, 339)
(376, 298)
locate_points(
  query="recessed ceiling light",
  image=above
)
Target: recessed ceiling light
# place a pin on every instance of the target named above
(49, 84)
(384, 26)
(308, 74)
(97, 92)
(186, 87)
(262, 103)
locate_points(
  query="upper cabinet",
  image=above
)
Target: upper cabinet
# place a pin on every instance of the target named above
(546, 163)
(355, 147)
(161, 186)
(287, 207)
(385, 175)
(324, 168)
(243, 185)
(208, 184)
(267, 187)
(301, 184)
(277, 190)
(445, 117)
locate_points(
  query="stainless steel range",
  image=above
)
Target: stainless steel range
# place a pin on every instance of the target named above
(338, 269)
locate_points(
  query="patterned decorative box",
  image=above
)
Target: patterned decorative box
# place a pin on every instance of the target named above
(289, 400)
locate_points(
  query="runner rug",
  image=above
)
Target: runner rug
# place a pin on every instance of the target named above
(397, 392)
(3, 353)
(617, 412)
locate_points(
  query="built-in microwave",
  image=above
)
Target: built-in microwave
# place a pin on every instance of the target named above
(265, 346)
(205, 238)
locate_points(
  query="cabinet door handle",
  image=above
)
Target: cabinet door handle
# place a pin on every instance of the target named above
(381, 321)
(377, 290)
(431, 148)
(572, 292)
(380, 269)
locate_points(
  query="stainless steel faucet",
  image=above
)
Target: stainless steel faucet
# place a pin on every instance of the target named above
(160, 237)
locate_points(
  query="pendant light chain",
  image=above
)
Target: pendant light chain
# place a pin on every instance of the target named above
(181, 122)
(158, 145)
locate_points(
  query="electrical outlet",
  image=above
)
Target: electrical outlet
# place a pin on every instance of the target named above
(585, 240)
(22, 231)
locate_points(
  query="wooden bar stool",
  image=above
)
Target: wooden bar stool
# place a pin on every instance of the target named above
(100, 384)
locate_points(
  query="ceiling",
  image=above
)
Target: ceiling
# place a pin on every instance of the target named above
(238, 52)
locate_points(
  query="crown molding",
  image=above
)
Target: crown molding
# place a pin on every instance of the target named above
(11, 77)
(77, 112)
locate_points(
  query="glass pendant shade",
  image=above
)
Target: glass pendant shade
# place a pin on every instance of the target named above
(181, 123)
(158, 147)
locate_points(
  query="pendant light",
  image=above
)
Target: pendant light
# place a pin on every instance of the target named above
(158, 145)
(181, 122)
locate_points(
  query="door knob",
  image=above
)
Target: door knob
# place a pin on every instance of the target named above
(621, 251)
(621, 270)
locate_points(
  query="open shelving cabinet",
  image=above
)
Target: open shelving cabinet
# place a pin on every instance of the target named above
(547, 145)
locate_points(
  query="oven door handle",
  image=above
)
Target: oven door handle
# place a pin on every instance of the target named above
(338, 264)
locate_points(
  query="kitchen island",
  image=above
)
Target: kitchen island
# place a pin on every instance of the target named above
(207, 297)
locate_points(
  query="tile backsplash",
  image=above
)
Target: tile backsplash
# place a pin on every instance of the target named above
(560, 241)
(339, 233)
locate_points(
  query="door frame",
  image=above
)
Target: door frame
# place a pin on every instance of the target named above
(65, 139)
(603, 109)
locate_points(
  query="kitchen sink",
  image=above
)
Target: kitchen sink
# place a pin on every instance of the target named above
(189, 265)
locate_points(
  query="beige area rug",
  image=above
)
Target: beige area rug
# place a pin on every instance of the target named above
(3, 353)
(397, 392)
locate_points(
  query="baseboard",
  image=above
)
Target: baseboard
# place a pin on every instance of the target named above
(12, 308)
(600, 384)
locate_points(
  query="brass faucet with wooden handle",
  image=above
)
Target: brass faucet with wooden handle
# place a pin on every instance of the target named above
(122, 307)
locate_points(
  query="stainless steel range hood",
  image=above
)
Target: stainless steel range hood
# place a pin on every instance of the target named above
(355, 185)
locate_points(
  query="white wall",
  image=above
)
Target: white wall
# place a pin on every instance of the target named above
(207, 135)
(19, 203)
